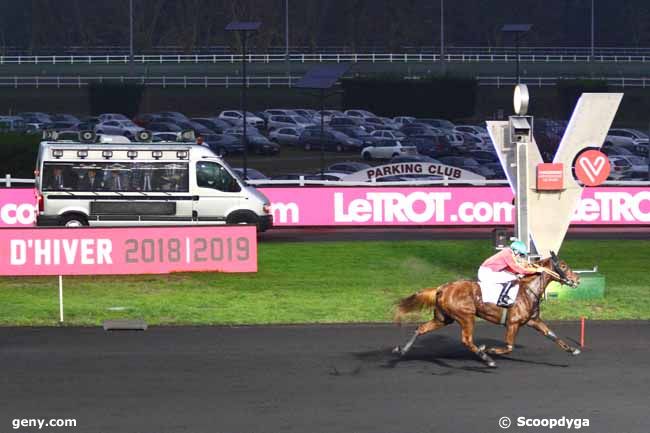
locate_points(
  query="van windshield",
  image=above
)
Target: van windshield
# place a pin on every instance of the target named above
(215, 176)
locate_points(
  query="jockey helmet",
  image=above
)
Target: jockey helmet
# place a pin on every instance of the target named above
(519, 247)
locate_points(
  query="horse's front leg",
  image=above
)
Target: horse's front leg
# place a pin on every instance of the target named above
(511, 334)
(429, 326)
(546, 331)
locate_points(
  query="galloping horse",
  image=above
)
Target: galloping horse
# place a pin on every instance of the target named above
(461, 300)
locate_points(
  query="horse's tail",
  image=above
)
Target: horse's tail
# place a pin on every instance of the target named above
(425, 298)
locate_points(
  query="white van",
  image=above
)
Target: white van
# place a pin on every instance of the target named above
(142, 184)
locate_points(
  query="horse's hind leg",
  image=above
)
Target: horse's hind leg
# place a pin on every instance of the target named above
(546, 331)
(511, 333)
(467, 336)
(429, 326)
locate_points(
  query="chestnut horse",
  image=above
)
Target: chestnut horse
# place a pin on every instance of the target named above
(461, 300)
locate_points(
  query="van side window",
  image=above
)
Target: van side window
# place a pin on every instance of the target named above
(116, 176)
(214, 176)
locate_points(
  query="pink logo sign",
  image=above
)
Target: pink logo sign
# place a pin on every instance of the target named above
(147, 250)
(592, 167)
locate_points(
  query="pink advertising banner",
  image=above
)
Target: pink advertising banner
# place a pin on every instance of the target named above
(388, 206)
(17, 207)
(444, 206)
(114, 251)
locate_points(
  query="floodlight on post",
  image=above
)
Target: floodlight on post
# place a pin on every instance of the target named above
(322, 78)
(244, 28)
(518, 30)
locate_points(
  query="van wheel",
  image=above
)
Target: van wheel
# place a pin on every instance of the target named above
(367, 156)
(242, 217)
(74, 220)
(395, 154)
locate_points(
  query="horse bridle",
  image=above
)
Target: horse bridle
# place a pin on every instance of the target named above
(561, 275)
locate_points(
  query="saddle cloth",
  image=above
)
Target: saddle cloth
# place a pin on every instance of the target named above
(491, 292)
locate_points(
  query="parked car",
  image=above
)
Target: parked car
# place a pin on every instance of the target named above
(338, 121)
(628, 143)
(164, 127)
(359, 133)
(63, 117)
(105, 117)
(359, 115)
(438, 123)
(12, 123)
(281, 121)
(251, 174)
(173, 116)
(469, 164)
(214, 124)
(118, 127)
(388, 135)
(639, 137)
(331, 140)
(279, 112)
(222, 144)
(157, 137)
(387, 149)
(348, 167)
(478, 131)
(497, 169)
(236, 118)
(617, 150)
(413, 158)
(482, 156)
(257, 143)
(380, 123)
(35, 117)
(328, 115)
(144, 120)
(63, 125)
(286, 136)
(403, 120)
(432, 145)
(417, 129)
(190, 125)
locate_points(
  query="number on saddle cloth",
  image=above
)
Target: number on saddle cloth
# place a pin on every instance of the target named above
(508, 294)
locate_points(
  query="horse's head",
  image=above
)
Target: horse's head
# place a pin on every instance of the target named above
(563, 273)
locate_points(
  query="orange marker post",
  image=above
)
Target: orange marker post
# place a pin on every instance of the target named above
(582, 332)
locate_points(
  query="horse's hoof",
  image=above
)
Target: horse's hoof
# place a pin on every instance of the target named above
(492, 364)
(397, 351)
(576, 352)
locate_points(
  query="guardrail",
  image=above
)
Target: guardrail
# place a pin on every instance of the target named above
(274, 80)
(123, 50)
(499, 81)
(507, 57)
(162, 81)
(9, 180)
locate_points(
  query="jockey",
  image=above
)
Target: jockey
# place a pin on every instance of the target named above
(503, 269)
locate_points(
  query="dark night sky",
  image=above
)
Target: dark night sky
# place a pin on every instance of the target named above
(385, 24)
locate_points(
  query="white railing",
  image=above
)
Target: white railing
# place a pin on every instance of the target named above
(163, 81)
(406, 57)
(9, 181)
(552, 81)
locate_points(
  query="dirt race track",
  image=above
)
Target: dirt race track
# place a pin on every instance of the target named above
(319, 379)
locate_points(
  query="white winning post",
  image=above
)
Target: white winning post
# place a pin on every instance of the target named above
(61, 298)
